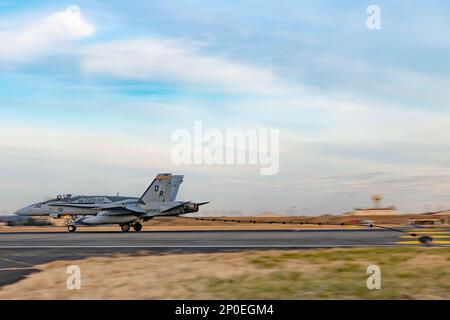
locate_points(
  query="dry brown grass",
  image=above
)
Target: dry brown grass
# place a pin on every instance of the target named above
(407, 273)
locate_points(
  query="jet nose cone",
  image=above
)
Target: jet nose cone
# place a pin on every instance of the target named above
(22, 212)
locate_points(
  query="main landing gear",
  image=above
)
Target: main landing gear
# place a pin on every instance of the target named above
(137, 227)
(126, 227)
(71, 228)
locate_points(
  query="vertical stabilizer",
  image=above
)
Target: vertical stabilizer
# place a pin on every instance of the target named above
(160, 190)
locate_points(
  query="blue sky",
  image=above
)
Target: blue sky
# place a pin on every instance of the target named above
(90, 107)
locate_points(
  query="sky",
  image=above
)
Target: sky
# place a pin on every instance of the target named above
(91, 92)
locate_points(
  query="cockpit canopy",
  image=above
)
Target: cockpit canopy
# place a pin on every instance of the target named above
(64, 196)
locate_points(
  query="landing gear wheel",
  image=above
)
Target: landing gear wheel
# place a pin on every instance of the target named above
(125, 227)
(71, 228)
(137, 227)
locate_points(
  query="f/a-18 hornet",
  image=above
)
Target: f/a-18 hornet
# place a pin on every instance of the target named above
(158, 200)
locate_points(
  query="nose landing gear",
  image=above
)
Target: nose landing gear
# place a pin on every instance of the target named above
(125, 227)
(71, 228)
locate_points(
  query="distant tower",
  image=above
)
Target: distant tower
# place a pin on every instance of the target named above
(377, 201)
(376, 210)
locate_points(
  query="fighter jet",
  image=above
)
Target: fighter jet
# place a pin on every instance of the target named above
(157, 200)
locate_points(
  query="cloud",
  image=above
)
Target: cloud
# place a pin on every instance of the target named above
(390, 82)
(177, 61)
(100, 148)
(44, 36)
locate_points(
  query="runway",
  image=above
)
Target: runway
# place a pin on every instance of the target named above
(197, 239)
(21, 251)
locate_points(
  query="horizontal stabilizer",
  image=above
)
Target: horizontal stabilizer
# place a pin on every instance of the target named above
(165, 209)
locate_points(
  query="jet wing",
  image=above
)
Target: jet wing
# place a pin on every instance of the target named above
(74, 205)
(123, 209)
(135, 209)
(138, 210)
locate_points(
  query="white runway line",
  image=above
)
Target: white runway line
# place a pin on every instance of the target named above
(17, 262)
(15, 269)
